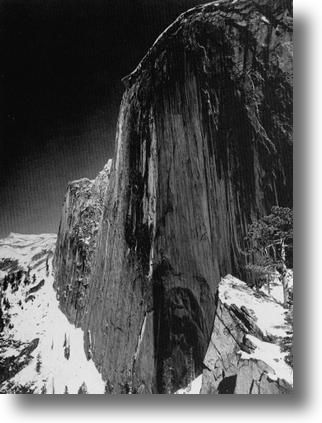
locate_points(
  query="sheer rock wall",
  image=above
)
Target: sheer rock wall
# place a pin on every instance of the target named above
(76, 241)
(203, 146)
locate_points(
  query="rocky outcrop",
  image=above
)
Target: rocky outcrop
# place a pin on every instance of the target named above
(10, 366)
(203, 146)
(246, 354)
(249, 351)
(76, 241)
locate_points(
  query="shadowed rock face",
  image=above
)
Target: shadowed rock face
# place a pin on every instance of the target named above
(203, 146)
(76, 241)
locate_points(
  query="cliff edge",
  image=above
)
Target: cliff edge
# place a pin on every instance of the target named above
(203, 147)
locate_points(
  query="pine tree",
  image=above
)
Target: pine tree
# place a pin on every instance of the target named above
(5, 283)
(47, 267)
(270, 244)
(109, 387)
(83, 389)
(38, 363)
(66, 347)
(19, 275)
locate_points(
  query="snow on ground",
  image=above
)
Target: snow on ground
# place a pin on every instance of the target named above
(25, 247)
(271, 354)
(270, 317)
(193, 388)
(275, 289)
(59, 363)
(266, 310)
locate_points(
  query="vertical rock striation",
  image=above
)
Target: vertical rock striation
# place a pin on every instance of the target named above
(76, 241)
(203, 146)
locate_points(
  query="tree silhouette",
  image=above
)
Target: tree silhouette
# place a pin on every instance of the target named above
(270, 246)
(83, 389)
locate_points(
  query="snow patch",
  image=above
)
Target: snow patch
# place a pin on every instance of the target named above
(193, 388)
(268, 313)
(270, 354)
(51, 368)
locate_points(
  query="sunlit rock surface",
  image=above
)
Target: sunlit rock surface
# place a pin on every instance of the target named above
(203, 146)
(247, 354)
(250, 351)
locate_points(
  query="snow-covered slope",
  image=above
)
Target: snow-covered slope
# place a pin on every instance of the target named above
(248, 351)
(250, 347)
(26, 248)
(40, 351)
(193, 388)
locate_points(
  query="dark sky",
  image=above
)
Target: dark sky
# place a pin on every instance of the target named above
(60, 70)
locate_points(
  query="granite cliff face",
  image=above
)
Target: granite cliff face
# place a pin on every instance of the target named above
(203, 146)
(76, 241)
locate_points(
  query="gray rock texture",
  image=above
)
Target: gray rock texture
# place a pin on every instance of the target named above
(245, 354)
(76, 241)
(203, 146)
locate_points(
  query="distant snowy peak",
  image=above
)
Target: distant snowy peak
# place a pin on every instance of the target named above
(26, 248)
(15, 238)
(40, 351)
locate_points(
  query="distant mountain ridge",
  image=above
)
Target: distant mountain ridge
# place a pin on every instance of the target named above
(40, 352)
